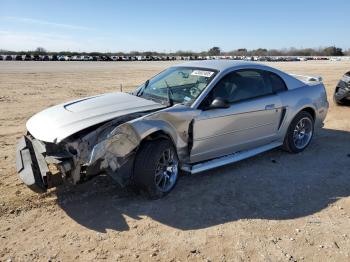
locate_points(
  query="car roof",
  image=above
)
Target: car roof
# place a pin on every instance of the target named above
(219, 65)
(223, 65)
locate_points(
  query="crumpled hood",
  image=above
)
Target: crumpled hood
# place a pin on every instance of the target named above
(59, 122)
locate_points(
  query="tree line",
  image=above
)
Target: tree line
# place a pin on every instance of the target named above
(214, 51)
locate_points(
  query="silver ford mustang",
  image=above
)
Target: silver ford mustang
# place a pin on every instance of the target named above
(191, 117)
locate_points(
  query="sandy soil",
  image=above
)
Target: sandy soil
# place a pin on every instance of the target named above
(273, 207)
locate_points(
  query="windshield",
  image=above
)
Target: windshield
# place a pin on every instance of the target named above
(177, 85)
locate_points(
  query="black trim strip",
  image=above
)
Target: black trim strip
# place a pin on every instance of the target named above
(283, 114)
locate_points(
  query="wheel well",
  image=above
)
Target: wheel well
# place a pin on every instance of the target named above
(311, 111)
(157, 135)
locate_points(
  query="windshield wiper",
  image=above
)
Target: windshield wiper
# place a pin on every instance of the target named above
(140, 92)
(146, 84)
(170, 93)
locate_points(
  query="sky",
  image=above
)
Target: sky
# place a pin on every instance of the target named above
(168, 26)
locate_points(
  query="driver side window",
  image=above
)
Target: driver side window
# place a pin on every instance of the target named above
(241, 85)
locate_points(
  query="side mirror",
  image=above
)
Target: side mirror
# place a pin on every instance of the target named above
(219, 102)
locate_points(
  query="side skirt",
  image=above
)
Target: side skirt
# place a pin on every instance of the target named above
(228, 159)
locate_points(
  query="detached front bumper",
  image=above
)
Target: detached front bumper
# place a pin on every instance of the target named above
(42, 165)
(31, 165)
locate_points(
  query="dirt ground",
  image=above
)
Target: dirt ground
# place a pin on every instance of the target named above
(273, 207)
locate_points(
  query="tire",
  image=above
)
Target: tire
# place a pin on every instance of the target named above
(337, 101)
(154, 172)
(341, 102)
(292, 141)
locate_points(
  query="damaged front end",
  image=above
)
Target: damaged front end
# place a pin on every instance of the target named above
(109, 148)
(37, 168)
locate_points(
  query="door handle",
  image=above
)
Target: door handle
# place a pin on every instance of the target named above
(270, 107)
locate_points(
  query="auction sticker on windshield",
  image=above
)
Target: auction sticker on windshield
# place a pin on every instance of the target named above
(202, 73)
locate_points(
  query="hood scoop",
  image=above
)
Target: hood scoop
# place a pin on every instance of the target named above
(70, 106)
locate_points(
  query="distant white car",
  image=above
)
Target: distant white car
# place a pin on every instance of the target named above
(192, 117)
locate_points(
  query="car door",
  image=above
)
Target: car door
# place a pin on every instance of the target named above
(251, 120)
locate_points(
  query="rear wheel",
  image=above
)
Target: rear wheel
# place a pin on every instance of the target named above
(156, 168)
(299, 133)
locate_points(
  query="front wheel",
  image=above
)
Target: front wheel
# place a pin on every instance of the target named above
(156, 168)
(299, 133)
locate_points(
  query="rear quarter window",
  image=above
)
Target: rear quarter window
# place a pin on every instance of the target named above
(277, 83)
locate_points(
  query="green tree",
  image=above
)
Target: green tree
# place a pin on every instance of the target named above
(333, 51)
(40, 51)
(242, 52)
(260, 52)
(214, 51)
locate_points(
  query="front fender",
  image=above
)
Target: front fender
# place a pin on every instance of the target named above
(147, 127)
(120, 142)
(125, 138)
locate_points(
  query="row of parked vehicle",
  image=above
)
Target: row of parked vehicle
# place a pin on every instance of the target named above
(37, 57)
(84, 58)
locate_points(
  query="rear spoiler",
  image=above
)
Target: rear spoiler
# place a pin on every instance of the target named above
(308, 79)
